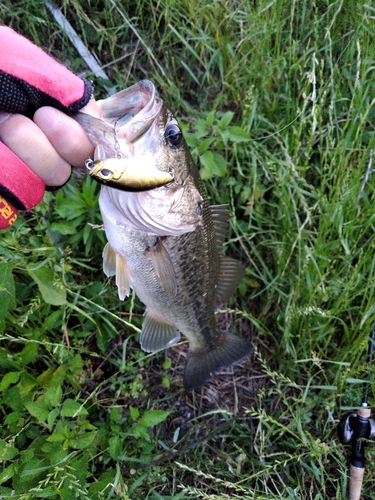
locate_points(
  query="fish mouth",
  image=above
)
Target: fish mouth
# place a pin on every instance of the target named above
(133, 112)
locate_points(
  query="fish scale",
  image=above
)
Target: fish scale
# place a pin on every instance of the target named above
(164, 242)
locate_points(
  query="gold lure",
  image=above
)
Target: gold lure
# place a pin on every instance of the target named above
(128, 174)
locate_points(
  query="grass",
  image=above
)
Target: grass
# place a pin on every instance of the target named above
(277, 100)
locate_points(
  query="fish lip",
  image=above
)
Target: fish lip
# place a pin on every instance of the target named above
(142, 102)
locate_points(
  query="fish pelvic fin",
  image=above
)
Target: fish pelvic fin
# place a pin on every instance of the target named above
(115, 264)
(230, 275)
(156, 334)
(202, 365)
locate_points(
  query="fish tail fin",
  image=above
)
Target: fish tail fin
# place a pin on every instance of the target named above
(202, 365)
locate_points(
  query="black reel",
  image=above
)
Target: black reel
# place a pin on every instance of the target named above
(352, 429)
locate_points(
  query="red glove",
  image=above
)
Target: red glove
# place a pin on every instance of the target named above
(30, 79)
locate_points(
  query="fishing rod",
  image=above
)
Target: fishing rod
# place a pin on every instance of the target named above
(357, 426)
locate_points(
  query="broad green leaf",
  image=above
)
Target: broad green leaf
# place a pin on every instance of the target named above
(57, 437)
(8, 473)
(9, 379)
(7, 451)
(53, 396)
(238, 134)
(134, 413)
(84, 440)
(226, 119)
(153, 417)
(51, 418)
(214, 165)
(71, 408)
(52, 291)
(139, 431)
(210, 118)
(167, 364)
(205, 144)
(115, 446)
(38, 409)
(29, 352)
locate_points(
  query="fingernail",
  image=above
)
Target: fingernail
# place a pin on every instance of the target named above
(47, 118)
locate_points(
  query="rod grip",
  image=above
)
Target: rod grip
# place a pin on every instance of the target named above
(355, 484)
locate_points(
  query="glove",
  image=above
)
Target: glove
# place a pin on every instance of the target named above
(30, 79)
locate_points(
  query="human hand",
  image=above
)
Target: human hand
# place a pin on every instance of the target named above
(39, 142)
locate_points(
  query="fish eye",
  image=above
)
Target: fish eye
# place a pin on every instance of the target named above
(105, 174)
(173, 134)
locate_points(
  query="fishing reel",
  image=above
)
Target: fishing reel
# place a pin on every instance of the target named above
(353, 427)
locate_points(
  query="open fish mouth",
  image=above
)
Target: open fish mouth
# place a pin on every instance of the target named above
(129, 124)
(133, 110)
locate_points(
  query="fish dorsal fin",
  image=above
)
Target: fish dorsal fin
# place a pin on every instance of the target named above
(156, 334)
(220, 218)
(115, 264)
(230, 275)
(163, 267)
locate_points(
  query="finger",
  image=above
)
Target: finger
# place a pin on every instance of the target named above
(30, 144)
(65, 134)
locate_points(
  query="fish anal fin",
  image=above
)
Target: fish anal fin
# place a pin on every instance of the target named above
(230, 275)
(202, 365)
(156, 334)
(220, 218)
(163, 267)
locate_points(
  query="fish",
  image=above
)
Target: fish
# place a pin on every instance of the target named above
(166, 242)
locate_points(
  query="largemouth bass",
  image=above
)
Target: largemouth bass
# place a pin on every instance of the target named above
(165, 242)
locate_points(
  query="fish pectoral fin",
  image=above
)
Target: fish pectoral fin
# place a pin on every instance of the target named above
(115, 264)
(156, 334)
(201, 365)
(231, 273)
(163, 267)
